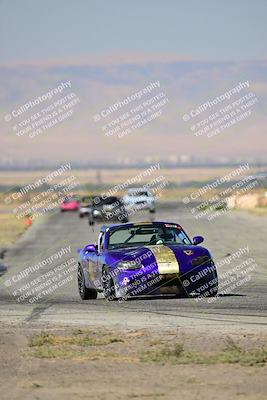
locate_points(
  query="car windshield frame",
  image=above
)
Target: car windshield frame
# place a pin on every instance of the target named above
(140, 193)
(166, 228)
(109, 201)
(70, 200)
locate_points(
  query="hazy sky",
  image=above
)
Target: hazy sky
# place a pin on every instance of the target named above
(202, 29)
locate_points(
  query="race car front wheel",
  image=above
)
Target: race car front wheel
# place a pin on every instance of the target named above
(91, 221)
(108, 286)
(84, 292)
(213, 286)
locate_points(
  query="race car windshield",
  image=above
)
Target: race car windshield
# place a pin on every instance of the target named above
(69, 200)
(107, 201)
(139, 236)
(137, 194)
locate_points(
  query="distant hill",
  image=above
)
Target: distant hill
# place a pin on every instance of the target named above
(100, 82)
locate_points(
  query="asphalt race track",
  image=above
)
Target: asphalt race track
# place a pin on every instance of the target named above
(242, 308)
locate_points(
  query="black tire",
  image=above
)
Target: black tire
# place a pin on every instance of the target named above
(84, 292)
(182, 293)
(91, 220)
(213, 290)
(152, 211)
(108, 286)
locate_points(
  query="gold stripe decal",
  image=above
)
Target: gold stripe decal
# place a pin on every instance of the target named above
(166, 260)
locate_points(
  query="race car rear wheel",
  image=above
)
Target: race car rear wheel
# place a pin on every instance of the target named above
(84, 292)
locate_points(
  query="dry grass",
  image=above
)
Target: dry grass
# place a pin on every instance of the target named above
(82, 339)
(231, 354)
(73, 346)
(85, 344)
(10, 229)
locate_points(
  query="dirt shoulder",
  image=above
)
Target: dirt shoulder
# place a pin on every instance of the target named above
(66, 362)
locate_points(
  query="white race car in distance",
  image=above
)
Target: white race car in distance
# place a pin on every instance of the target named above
(139, 199)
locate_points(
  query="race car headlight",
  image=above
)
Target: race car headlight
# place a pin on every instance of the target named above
(123, 265)
(96, 212)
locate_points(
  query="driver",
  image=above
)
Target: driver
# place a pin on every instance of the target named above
(162, 238)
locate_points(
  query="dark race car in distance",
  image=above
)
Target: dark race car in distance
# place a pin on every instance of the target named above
(108, 209)
(86, 205)
(146, 258)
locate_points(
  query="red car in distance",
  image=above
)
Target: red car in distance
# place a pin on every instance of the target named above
(70, 204)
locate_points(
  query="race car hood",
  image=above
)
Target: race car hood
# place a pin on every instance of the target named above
(169, 259)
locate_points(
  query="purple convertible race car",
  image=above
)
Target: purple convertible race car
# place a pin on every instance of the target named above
(145, 259)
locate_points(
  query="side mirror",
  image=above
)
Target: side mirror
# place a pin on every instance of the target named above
(90, 248)
(197, 240)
